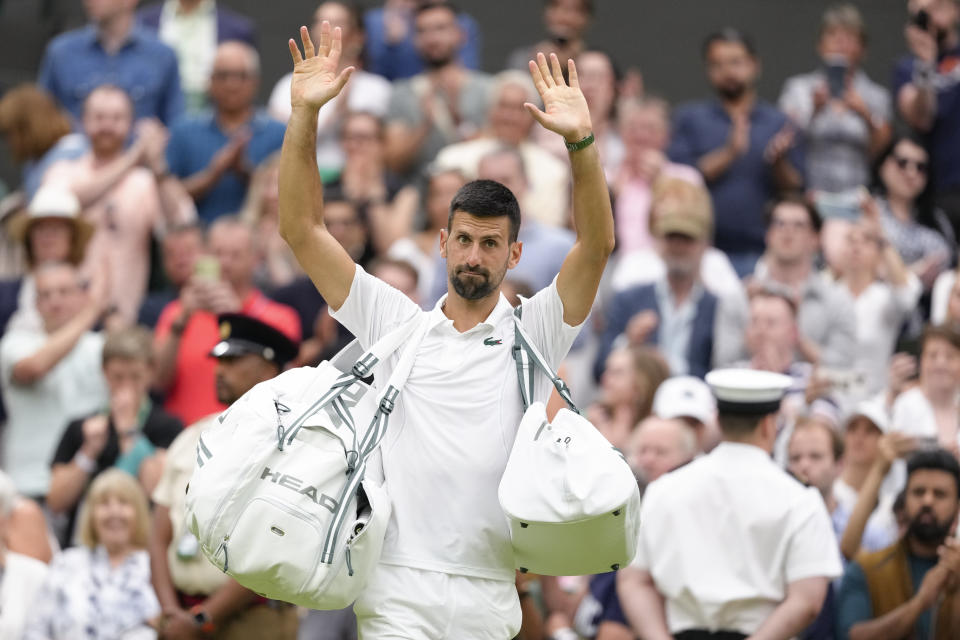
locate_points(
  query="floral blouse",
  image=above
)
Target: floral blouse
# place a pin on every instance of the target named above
(84, 598)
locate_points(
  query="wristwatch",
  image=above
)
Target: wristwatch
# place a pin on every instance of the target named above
(202, 619)
(583, 143)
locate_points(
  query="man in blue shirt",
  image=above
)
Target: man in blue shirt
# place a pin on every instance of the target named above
(113, 50)
(927, 88)
(215, 152)
(742, 145)
(909, 588)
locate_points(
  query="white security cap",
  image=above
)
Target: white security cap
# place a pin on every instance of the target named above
(685, 397)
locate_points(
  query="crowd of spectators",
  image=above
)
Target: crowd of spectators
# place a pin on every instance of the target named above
(814, 236)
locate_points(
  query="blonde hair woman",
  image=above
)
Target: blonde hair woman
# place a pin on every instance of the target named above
(101, 590)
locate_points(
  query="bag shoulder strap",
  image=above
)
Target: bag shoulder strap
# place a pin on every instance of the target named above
(385, 346)
(528, 359)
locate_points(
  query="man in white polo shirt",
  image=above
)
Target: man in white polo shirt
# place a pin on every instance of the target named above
(447, 565)
(731, 545)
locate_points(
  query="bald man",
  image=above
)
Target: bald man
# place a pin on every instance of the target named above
(215, 152)
(659, 445)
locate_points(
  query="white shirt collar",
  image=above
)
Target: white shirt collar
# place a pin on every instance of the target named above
(499, 312)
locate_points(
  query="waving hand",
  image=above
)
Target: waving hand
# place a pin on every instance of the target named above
(565, 109)
(315, 79)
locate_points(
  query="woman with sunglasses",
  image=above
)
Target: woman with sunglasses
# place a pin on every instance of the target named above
(924, 246)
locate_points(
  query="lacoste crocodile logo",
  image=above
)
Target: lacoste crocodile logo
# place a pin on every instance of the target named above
(492, 342)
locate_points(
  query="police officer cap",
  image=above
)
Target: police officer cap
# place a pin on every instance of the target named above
(241, 335)
(747, 390)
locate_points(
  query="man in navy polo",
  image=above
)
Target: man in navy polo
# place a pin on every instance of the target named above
(742, 145)
(215, 152)
(113, 50)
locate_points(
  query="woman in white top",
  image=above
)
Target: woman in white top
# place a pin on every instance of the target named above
(101, 590)
(930, 411)
(20, 575)
(884, 291)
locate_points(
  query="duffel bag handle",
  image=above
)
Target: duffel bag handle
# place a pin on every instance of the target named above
(525, 352)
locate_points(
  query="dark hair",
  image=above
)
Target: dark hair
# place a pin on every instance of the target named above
(355, 11)
(797, 198)
(934, 460)
(924, 202)
(487, 199)
(808, 423)
(729, 35)
(587, 5)
(738, 425)
(429, 5)
(948, 332)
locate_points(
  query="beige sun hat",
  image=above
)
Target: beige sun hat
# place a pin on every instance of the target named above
(54, 202)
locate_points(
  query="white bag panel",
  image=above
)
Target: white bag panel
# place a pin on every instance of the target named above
(565, 471)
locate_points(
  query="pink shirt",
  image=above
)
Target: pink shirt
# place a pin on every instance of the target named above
(632, 209)
(124, 218)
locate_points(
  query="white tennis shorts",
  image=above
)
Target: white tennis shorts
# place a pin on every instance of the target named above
(412, 604)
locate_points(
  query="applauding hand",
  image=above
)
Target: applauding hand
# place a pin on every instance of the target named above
(565, 109)
(315, 79)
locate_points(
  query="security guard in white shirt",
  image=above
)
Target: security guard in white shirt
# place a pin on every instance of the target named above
(730, 545)
(447, 570)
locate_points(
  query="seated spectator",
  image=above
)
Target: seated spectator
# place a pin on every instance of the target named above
(907, 589)
(193, 28)
(180, 248)
(444, 104)
(676, 312)
(644, 126)
(20, 575)
(37, 132)
(844, 115)
(884, 292)
(367, 93)
(743, 146)
(215, 153)
(101, 589)
(192, 591)
(924, 246)
(51, 231)
(124, 193)
(187, 328)
(50, 376)
(113, 49)
(931, 410)
(509, 124)
(660, 445)
(391, 48)
(565, 21)
(689, 399)
(630, 379)
(825, 312)
(422, 249)
(544, 247)
(926, 89)
(866, 445)
(130, 435)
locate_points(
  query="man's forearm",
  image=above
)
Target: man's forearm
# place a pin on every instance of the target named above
(919, 108)
(227, 601)
(592, 212)
(896, 624)
(715, 164)
(159, 567)
(642, 604)
(200, 183)
(58, 345)
(866, 503)
(89, 190)
(791, 616)
(175, 202)
(301, 191)
(67, 483)
(785, 175)
(166, 358)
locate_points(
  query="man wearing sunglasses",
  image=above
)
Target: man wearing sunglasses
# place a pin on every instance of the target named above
(214, 153)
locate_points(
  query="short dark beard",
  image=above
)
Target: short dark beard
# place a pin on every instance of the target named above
(472, 288)
(438, 63)
(732, 94)
(928, 533)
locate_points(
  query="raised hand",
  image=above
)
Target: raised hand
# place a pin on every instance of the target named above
(315, 79)
(565, 109)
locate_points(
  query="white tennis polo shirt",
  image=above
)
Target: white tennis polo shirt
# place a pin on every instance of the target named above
(449, 438)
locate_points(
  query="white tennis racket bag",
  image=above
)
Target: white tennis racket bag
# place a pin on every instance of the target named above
(278, 499)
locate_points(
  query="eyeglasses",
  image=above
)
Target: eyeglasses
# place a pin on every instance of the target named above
(920, 165)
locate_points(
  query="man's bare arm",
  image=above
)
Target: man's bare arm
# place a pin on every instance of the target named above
(798, 610)
(315, 82)
(642, 604)
(566, 113)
